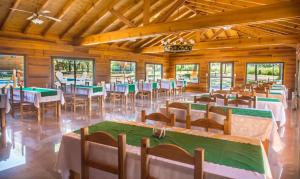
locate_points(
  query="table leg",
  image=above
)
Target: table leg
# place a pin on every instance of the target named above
(39, 114)
(3, 118)
(90, 104)
(58, 109)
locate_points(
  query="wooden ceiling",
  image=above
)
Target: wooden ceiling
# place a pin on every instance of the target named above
(140, 25)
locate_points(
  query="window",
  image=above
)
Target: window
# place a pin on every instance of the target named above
(265, 72)
(122, 71)
(153, 72)
(220, 76)
(9, 63)
(188, 72)
(70, 70)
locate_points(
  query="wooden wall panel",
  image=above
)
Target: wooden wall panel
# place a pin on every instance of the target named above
(38, 59)
(240, 59)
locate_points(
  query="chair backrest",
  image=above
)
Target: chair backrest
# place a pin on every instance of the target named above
(248, 86)
(220, 92)
(170, 152)
(237, 89)
(262, 90)
(204, 99)
(169, 120)
(220, 96)
(179, 105)
(239, 102)
(209, 122)
(252, 98)
(104, 139)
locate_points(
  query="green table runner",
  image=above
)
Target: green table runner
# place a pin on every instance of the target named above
(277, 88)
(96, 89)
(218, 151)
(44, 91)
(258, 99)
(273, 92)
(238, 111)
(154, 85)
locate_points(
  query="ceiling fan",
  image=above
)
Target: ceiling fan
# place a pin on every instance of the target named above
(36, 16)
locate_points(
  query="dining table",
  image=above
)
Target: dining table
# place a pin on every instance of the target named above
(225, 156)
(39, 96)
(4, 108)
(246, 122)
(273, 104)
(90, 92)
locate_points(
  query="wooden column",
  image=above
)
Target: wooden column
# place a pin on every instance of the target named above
(297, 80)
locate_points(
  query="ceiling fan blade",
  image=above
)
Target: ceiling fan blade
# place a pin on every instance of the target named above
(32, 16)
(52, 18)
(20, 10)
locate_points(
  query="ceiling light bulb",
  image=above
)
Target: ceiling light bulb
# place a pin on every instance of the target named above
(192, 41)
(169, 40)
(227, 27)
(181, 39)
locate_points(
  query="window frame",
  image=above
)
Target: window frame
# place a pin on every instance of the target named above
(161, 71)
(72, 58)
(25, 76)
(283, 64)
(221, 76)
(198, 72)
(135, 74)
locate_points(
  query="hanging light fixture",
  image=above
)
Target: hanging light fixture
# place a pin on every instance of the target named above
(179, 46)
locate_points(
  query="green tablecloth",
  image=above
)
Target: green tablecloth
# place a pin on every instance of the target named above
(218, 151)
(44, 91)
(239, 111)
(96, 89)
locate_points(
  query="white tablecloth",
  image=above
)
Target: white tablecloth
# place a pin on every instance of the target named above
(4, 102)
(247, 126)
(167, 84)
(69, 159)
(87, 91)
(36, 98)
(121, 88)
(282, 96)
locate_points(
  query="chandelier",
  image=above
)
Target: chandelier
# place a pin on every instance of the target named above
(178, 46)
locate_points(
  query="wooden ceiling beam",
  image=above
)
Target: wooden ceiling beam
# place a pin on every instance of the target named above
(236, 43)
(216, 34)
(9, 14)
(169, 12)
(146, 12)
(253, 15)
(105, 6)
(28, 24)
(66, 8)
(122, 18)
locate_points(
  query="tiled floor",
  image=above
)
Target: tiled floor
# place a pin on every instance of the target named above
(30, 150)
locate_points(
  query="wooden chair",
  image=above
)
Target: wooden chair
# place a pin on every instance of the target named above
(141, 92)
(248, 87)
(252, 98)
(178, 105)
(220, 96)
(171, 152)
(237, 89)
(178, 89)
(204, 99)
(75, 100)
(115, 96)
(210, 123)
(223, 92)
(104, 139)
(20, 105)
(261, 90)
(169, 120)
